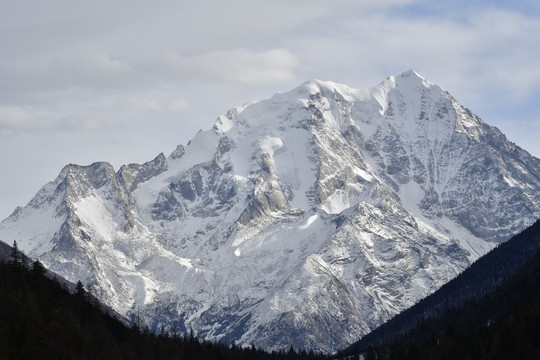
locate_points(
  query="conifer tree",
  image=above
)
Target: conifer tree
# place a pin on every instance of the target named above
(38, 268)
(16, 255)
(79, 289)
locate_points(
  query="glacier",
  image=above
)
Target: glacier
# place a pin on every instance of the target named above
(308, 218)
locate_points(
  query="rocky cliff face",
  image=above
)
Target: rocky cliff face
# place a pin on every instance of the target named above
(306, 219)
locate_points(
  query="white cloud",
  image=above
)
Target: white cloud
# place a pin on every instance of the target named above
(235, 66)
(63, 44)
(19, 119)
(138, 105)
(12, 117)
(178, 105)
(244, 66)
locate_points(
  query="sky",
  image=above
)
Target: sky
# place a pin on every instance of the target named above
(122, 81)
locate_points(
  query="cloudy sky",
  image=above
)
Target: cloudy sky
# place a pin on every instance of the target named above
(122, 81)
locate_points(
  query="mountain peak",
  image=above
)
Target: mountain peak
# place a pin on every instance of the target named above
(320, 201)
(412, 73)
(408, 81)
(412, 76)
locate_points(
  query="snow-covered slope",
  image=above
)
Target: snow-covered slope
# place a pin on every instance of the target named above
(306, 219)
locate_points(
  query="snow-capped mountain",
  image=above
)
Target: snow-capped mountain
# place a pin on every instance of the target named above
(306, 219)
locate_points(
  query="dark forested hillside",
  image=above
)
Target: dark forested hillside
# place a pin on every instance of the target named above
(492, 310)
(40, 319)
